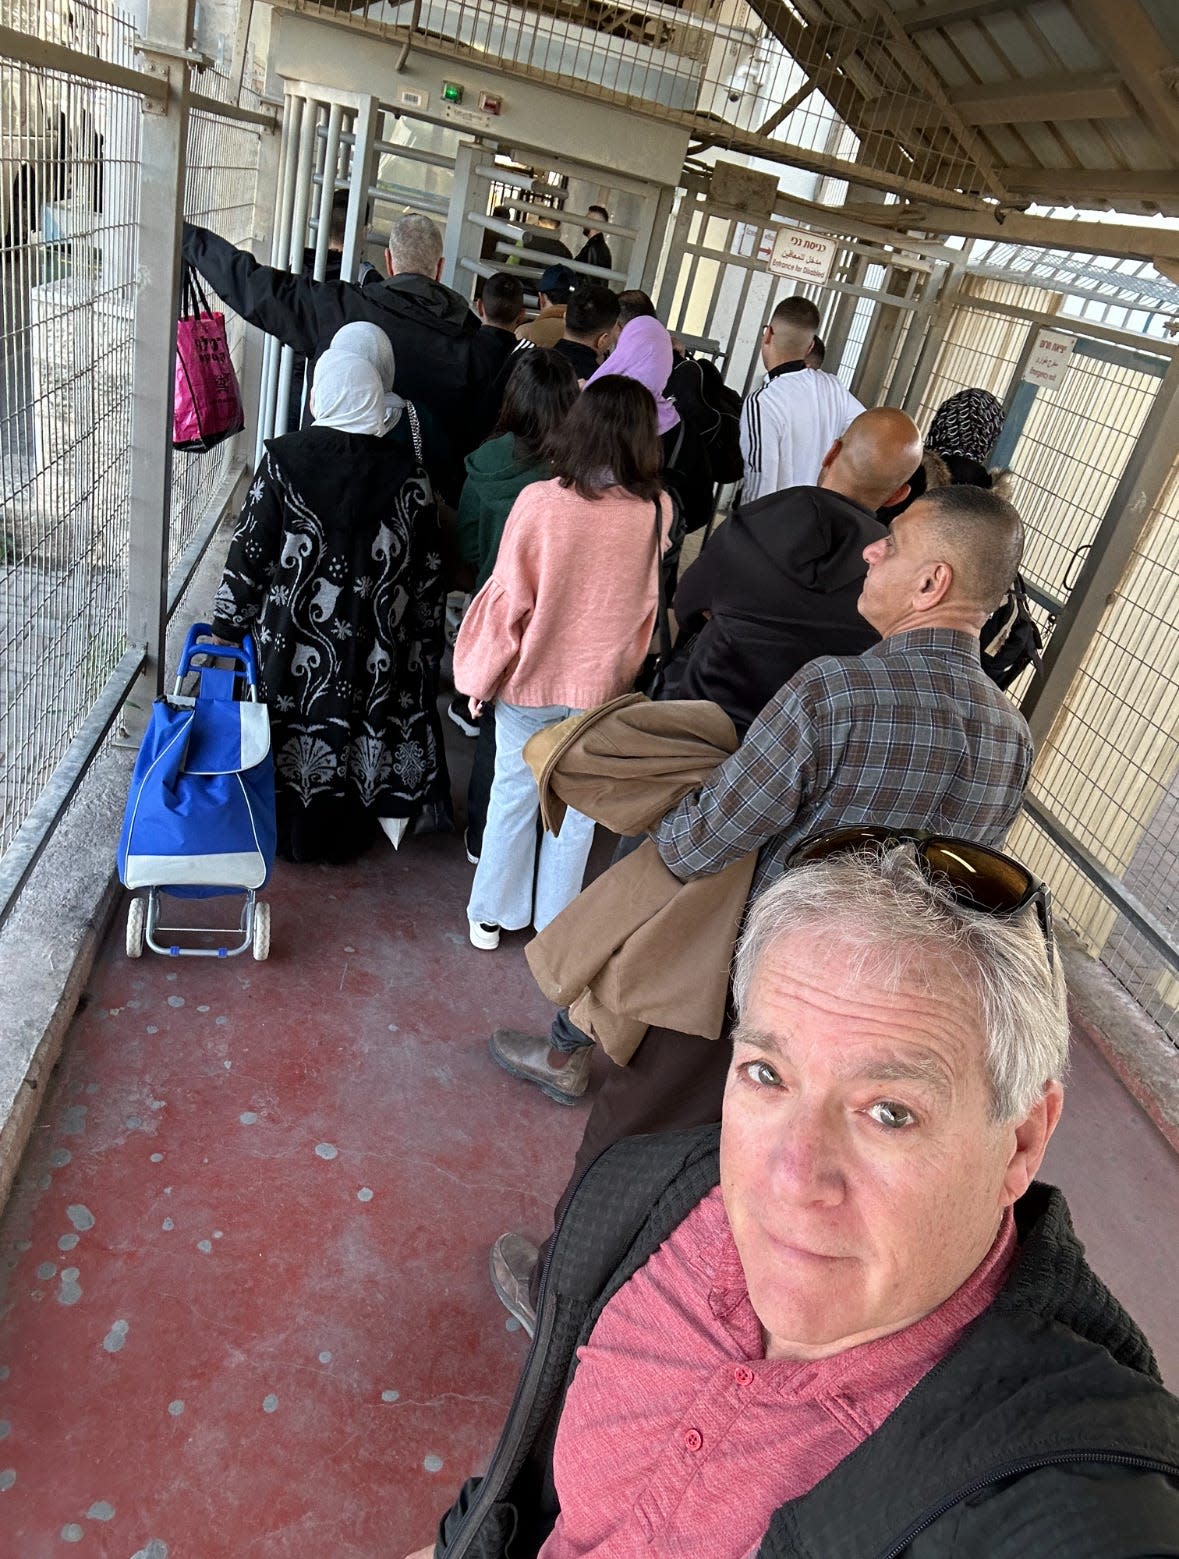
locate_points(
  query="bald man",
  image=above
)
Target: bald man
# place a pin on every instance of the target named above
(778, 583)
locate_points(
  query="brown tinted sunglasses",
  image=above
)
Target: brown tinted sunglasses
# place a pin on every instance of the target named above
(976, 876)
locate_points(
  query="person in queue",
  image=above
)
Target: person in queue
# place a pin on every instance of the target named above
(851, 1322)
(539, 396)
(561, 625)
(912, 733)
(779, 582)
(432, 329)
(794, 414)
(334, 567)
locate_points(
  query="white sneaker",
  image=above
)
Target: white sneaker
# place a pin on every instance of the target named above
(483, 935)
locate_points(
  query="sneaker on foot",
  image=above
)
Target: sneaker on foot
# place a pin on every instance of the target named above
(471, 856)
(512, 1261)
(459, 711)
(484, 935)
(526, 1056)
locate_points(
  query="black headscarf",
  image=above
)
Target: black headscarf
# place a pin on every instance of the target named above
(968, 424)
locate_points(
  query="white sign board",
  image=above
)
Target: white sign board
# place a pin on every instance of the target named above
(802, 255)
(1049, 360)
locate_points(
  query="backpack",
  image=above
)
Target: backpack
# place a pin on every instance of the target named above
(1010, 639)
(712, 411)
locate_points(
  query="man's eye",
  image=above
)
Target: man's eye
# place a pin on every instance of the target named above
(887, 1113)
(762, 1074)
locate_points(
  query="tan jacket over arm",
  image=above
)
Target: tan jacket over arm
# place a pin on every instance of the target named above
(638, 946)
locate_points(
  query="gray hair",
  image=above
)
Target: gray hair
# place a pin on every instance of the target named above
(416, 245)
(896, 925)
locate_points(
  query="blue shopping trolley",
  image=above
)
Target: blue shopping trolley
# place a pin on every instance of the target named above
(200, 814)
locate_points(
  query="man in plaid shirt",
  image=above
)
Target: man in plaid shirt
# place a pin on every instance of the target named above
(910, 734)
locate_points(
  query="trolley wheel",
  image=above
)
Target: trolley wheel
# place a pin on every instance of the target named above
(261, 943)
(136, 918)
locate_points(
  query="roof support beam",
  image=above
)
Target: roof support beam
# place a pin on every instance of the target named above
(1070, 186)
(940, 13)
(1112, 238)
(1044, 100)
(1126, 34)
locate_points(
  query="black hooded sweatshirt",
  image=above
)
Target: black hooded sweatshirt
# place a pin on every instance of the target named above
(781, 579)
(431, 327)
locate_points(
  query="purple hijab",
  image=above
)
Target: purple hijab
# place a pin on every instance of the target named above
(644, 353)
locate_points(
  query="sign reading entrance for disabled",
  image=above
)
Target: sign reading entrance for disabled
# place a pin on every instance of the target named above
(1049, 360)
(804, 256)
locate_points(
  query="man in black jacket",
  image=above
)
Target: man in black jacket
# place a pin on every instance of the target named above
(778, 583)
(877, 1336)
(432, 328)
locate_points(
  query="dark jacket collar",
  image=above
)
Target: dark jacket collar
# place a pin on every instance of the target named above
(794, 367)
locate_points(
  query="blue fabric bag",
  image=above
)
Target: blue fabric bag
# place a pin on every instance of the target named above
(200, 813)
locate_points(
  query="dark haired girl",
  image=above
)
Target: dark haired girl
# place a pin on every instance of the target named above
(562, 625)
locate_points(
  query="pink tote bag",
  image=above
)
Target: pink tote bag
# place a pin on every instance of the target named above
(207, 405)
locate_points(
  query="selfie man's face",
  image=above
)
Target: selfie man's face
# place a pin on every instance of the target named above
(862, 1173)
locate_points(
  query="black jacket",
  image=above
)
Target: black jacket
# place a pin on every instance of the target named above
(596, 251)
(431, 327)
(1045, 1433)
(781, 578)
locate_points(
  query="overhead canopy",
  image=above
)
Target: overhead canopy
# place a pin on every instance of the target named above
(1052, 102)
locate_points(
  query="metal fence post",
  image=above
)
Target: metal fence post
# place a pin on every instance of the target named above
(164, 142)
(943, 313)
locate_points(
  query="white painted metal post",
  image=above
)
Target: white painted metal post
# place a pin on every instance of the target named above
(361, 172)
(462, 239)
(292, 120)
(297, 240)
(258, 350)
(163, 149)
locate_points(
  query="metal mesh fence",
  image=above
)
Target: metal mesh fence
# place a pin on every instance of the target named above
(1110, 770)
(71, 219)
(67, 287)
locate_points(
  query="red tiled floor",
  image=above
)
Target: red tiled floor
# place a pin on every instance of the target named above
(272, 1333)
(248, 1311)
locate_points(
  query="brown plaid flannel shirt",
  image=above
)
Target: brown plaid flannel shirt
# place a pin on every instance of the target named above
(910, 734)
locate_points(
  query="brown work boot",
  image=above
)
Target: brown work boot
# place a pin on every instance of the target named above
(512, 1260)
(527, 1056)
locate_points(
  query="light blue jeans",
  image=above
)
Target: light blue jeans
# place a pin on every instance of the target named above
(515, 884)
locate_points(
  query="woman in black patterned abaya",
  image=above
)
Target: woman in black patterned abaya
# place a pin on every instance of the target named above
(335, 567)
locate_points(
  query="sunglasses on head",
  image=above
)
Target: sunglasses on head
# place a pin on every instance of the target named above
(976, 877)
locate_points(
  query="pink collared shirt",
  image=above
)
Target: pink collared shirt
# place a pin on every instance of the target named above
(679, 1437)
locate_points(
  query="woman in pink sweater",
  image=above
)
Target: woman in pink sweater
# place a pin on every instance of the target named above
(562, 624)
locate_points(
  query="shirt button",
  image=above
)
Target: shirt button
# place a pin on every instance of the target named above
(693, 1439)
(743, 1375)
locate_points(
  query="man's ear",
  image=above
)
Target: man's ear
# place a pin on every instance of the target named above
(389, 271)
(899, 496)
(1030, 1139)
(479, 309)
(831, 456)
(522, 315)
(438, 271)
(935, 583)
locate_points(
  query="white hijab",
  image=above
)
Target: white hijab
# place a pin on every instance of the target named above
(362, 339)
(347, 394)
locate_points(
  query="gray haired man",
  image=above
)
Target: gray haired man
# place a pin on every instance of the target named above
(855, 1325)
(432, 328)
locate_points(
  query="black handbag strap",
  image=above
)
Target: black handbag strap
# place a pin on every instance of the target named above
(661, 615)
(193, 298)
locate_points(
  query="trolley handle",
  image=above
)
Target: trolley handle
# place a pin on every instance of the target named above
(243, 654)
